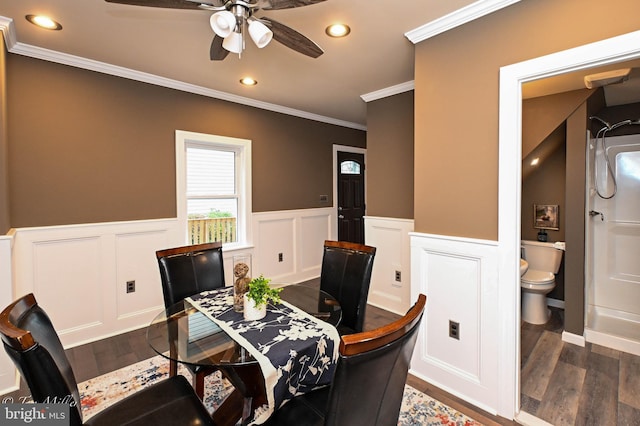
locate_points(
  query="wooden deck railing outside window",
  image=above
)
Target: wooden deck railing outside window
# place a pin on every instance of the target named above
(221, 229)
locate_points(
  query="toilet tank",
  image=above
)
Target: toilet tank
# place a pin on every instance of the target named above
(542, 256)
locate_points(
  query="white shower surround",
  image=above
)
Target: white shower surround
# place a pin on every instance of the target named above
(612, 271)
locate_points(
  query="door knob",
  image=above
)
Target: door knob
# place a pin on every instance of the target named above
(340, 216)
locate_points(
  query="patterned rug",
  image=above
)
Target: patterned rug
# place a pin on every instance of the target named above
(417, 408)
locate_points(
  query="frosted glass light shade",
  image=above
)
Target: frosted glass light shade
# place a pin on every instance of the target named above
(233, 42)
(223, 23)
(260, 33)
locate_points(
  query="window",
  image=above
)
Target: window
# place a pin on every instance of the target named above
(349, 167)
(213, 188)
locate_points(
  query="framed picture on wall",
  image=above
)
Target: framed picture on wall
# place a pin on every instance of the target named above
(545, 216)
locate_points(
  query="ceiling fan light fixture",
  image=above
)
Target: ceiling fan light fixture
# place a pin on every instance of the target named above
(338, 30)
(260, 33)
(223, 23)
(233, 43)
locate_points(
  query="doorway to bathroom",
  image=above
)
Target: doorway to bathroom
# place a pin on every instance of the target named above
(610, 51)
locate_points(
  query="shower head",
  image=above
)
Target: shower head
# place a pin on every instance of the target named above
(620, 124)
(607, 125)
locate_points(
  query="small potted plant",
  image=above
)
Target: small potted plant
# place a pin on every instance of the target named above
(257, 297)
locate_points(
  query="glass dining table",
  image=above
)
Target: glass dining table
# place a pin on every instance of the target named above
(184, 334)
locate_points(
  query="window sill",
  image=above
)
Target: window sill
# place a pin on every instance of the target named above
(233, 247)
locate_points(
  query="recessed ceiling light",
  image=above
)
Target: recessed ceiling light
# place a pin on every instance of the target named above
(44, 22)
(338, 30)
(248, 81)
(535, 161)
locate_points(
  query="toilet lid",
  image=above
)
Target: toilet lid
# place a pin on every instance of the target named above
(533, 276)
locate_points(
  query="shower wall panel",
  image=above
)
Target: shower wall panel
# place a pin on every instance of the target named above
(614, 289)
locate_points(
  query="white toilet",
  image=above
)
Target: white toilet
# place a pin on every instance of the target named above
(544, 262)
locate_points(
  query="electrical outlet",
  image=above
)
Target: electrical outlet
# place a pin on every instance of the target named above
(454, 330)
(131, 286)
(324, 198)
(398, 276)
(280, 257)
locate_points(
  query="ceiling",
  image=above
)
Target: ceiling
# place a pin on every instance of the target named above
(171, 47)
(174, 44)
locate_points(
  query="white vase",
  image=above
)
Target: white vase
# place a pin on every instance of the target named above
(251, 312)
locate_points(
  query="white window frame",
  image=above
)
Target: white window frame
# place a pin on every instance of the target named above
(243, 173)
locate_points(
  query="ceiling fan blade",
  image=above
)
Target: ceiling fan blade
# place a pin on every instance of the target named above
(169, 4)
(284, 4)
(217, 52)
(293, 39)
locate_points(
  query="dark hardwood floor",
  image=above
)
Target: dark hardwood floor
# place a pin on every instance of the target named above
(565, 384)
(103, 356)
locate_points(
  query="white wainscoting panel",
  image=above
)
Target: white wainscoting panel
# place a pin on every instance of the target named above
(135, 263)
(297, 234)
(275, 239)
(9, 380)
(459, 277)
(391, 238)
(315, 228)
(79, 272)
(69, 281)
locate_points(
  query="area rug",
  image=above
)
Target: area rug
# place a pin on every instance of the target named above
(417, 407)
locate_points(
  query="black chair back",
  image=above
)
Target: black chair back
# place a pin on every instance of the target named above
(188, 270)
(368, 385)
(33, 345)
(346, 275)
(35, 348)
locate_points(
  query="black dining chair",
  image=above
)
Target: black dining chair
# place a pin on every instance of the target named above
(185, 271)
(33, 345)
(346, 275)
(369, 380)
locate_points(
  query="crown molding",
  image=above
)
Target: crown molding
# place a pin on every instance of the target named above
(13, 46)
(389, 91)
(9, 31)
(455, 19)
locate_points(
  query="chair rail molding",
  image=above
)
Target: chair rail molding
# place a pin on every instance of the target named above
(391, 276)
(459, 277)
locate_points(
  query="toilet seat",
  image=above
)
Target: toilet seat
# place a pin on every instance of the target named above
(533, 277)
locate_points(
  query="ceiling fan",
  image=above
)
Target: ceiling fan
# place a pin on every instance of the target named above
(233, 19)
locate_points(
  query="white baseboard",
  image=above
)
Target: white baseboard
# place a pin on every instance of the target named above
(573, 338)
(527, 419)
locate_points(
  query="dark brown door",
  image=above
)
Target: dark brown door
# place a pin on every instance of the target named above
(351, 206)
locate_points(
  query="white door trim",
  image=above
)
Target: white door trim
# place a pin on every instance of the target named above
(609, 51)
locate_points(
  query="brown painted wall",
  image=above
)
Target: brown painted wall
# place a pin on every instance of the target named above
(545, 185)
(87, 147)
(575, 208)
(540, 116)
(456, 106)
(4, 149)
(390, 157)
